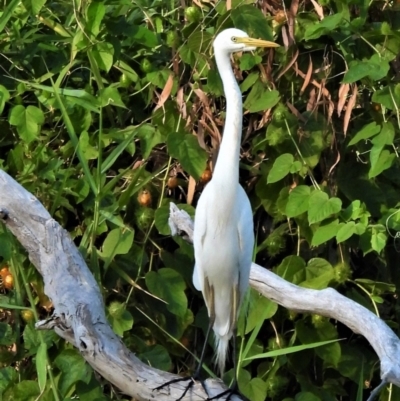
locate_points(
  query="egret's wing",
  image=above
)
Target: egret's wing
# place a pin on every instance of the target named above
(200, 228)
(196, 279)
(246, 239)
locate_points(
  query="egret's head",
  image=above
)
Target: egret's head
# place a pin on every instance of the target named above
(234, 40)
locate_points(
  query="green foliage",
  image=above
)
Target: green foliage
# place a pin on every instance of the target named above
(103, 102)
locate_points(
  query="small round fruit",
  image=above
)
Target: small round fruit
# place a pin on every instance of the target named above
(27, 315)
(280, 17)
(172, 182)
(192, 14)
(4, 272)
(206, 176)
(146, 65)
(144, 217)
(124, 81)
(376, 106)
(9, 282)
(173, 39)
(144, 198)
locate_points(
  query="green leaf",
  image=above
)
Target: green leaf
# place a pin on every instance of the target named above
(291, 350)
(27, 120)
(327, 25)
(186, 148)
(168, 285)
(34, 6)
(103, 52)
(255, 389)
(320, 206)
(4, 96)
(325, 232)
(376, 68)
(384, 162)
(248, 61)
(149, 138)
(116, 152)
(214, 83)
(292, 269)
(26, 390)
(261, 98)
(298, 201)
(386, 136)
(306, 396)
(141, 34)
(95, 14)
(120, 318)
(157, 357)
(200, 41)
(281, 168)
(111, 96)
(259, 307)
(249, 81)
(388, 96)
(6, 335)
(378, 240)
(8, 376)
(346, 231)
(41, 365)
(118, 242)
(8, 13)
(321, 330)
(319, 274)
(88, 151)
(251, 20)
(366, 132)
(64, 361)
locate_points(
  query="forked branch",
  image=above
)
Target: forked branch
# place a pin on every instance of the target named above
(79, 309)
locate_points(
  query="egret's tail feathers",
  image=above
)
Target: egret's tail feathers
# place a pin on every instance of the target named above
(221, 345)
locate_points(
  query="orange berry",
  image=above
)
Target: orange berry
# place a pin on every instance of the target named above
(206, 176)
(4, 272)
(9, 282)
(172, 182)
(280, 17)
(144, 198)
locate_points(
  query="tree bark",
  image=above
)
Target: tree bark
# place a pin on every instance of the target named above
(79, 315)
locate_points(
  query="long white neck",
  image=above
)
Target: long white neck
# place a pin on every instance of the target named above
(227, 168)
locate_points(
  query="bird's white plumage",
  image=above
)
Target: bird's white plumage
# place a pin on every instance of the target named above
(223, 231)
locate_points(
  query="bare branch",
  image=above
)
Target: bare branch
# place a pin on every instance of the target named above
(329, 303)
(78, 305)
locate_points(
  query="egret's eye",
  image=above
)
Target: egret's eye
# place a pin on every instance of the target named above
(234, 39)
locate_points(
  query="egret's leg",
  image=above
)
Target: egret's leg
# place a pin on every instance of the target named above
(196, 375)
(234, 389)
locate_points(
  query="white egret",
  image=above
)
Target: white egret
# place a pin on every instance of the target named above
(223, 229)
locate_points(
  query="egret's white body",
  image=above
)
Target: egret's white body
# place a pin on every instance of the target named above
(223, 228)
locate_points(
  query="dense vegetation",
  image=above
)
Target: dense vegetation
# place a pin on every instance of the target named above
(110, 109)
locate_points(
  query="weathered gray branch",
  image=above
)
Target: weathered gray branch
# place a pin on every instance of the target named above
(327, 302)
(79, 315)
(79, 310)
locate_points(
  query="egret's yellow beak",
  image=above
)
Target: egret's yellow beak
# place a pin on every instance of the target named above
(256, 42)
